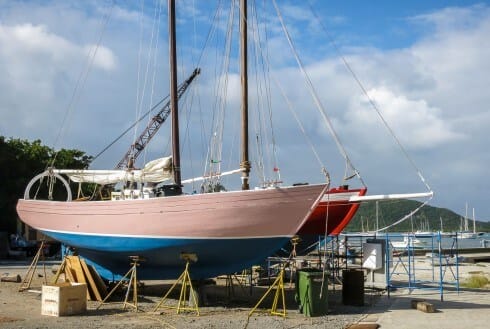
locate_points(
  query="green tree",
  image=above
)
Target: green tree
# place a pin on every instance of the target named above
(20, 161)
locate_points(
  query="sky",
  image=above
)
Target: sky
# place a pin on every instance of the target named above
(423, 64)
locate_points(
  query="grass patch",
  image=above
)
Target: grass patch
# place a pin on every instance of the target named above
(476, 281)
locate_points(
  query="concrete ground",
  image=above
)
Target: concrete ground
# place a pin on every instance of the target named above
(466, 308)
(470, 308)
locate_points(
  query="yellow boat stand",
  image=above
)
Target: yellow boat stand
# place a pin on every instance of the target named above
(186, 292)
(133, 282)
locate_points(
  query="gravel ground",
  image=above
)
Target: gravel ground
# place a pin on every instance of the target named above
(23, 309)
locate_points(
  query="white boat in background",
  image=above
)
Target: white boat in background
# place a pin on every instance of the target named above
(466, 233)
(409, 241)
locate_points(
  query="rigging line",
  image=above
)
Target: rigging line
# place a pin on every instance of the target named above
(147, 72)
(300, 124)
(82, 79)
(373, 104)
(265, 102)
(223, 96)
(269, 100)
(291, 108)
(315, 97)
(406, 216)
(155, 52)
(225, 73)
(217, 144)
(188, 112)
(259, 124)
(203, 137)
(128, 129)
(138, 75)
(211, 32)
(326, 234)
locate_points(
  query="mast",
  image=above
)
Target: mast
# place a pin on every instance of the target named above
(474, 221)
(173, 94)
(245, 163)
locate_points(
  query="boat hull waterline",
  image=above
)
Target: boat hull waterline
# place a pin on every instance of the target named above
(228, 231)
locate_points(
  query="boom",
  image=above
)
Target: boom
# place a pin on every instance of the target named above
(139, 145)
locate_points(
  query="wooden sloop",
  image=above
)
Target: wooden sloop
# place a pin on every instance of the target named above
(26, 283)
(279, 286)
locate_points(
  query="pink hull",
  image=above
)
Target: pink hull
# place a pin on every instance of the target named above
(255, 213)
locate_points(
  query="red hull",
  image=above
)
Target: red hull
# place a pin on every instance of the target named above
(333, 213)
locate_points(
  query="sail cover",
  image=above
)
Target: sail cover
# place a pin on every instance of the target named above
(156, 171)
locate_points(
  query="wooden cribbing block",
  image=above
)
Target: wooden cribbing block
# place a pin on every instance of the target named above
(423, 306)
(363, 326)
(6, 277)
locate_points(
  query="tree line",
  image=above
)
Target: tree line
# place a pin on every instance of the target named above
(20, 161)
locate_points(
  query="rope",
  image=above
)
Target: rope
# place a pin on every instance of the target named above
(378, 112)
(214, 156)
(158, 18)
(406, 216)
(128, 129)
(373, 104)
(316, 98)
(147, 72)
(81, 82)
(264, 94)
(138, 75)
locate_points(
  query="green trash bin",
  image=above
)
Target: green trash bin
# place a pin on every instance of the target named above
(311, 292)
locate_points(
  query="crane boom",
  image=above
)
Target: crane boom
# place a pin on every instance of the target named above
(140, 143)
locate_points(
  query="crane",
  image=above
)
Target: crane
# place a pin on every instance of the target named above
(155, 123)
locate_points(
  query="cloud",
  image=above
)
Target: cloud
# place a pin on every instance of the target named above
(34, 62)
(29, 42)
(415, 123)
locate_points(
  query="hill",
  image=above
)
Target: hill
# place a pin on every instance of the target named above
(427, 218)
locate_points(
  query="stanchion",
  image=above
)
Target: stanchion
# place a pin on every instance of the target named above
(294, 241)
(186, 290)
(26, 283)
(133, 282)
(230, 286)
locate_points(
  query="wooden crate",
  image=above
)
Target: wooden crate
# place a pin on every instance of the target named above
(64, 299)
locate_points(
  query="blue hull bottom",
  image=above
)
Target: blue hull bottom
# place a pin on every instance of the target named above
(110, 255)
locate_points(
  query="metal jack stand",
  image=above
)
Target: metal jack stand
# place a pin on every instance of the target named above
(294, 241)
(132, 282)
(26, 283)
(185, 280)
(230, 287)
(279, 285)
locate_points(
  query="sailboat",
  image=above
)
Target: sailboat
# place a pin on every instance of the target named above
(224, 232)
(465, 233)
